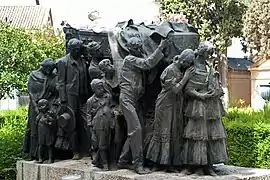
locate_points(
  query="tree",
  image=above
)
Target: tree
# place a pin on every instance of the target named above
(256, 27)
(217, 20)
(21, 52)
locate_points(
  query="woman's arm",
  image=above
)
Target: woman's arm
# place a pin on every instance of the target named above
(179, 86)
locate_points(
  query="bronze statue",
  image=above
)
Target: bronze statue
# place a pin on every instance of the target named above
(131, 115)
(108, 73)
(47, 128)
(131, 89)
(74, 90)
(119, 131)
(94, 50)
(99, 118)
(166, 143)
(204, 134)
(41, 85)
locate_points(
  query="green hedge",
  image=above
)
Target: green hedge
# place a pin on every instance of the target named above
(248, 140)
(12, 130)
(249, 137)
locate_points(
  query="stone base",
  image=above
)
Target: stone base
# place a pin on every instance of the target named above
(28, 170)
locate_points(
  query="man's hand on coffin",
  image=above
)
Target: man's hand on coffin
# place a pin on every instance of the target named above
(166, 52)
(164, 43)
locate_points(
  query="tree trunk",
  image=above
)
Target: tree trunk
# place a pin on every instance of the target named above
(223, 70)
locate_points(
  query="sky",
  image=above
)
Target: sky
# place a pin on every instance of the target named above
(75, 12)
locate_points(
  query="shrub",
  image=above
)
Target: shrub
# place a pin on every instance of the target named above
(248, 140)
(248, 137)
(12, 130)
(263, 154)
(22, 51)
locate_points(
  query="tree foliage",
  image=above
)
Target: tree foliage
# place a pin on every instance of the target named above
(256, 27)
(22, 51)
(217, 20)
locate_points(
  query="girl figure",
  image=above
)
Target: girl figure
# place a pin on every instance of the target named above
(47, 128)
(165, 145)
(204, 134)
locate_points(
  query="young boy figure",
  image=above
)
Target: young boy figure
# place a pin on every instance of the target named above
(99, 118)
(46, 121)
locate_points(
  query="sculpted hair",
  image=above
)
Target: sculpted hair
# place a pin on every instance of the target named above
(43, 101)
(93, 46)
(48, 63)
(203, 47)
(74, 42)
(102, 64)
(186, 55)
(134, 42)
(95, 83)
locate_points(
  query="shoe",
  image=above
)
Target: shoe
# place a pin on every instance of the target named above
(199, 172)
(141, 170)
(124, 166)
(40, 161)
(211, 171)
(76, 156)
(187, 172)
(50, 161)
(105, 167)
(172, 170)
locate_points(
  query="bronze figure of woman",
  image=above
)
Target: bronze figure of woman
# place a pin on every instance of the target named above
(165, 145)
(204, 134)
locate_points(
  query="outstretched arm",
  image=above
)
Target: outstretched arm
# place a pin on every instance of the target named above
(151, 61)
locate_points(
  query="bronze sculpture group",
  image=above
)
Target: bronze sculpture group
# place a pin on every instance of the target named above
(75, 107)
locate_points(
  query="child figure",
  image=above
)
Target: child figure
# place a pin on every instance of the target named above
(99, 118)
(46, 121)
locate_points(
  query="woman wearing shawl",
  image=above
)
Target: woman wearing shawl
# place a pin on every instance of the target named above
(41, 85)
(165, 145)
(204, 134)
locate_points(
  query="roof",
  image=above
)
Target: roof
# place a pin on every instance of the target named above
(259, 61)
(241, 64)
(29, 17)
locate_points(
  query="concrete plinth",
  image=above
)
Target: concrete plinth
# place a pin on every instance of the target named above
(28, 170)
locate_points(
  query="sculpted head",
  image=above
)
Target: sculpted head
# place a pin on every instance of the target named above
(135, 45)
(75, 46)
(94, 49)
(43, 105)
(205, 49)
(106, 66)
(97, 86)
(48, 66)
(185, 59)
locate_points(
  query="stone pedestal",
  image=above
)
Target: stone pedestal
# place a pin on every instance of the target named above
(28, 170)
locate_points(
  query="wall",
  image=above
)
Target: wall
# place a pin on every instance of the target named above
(9, 103)
(239, 86)
(259, 76)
